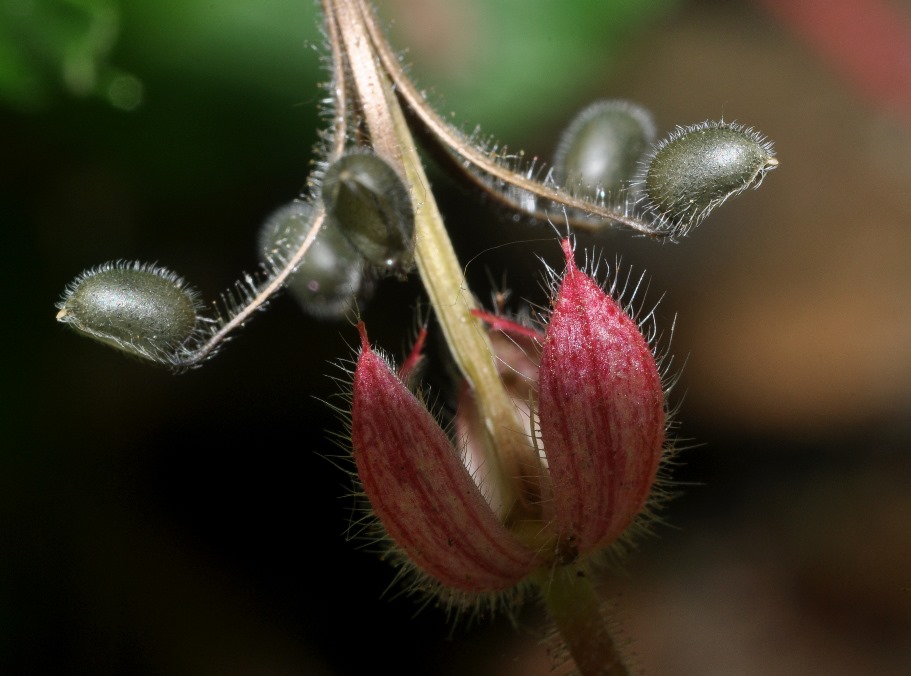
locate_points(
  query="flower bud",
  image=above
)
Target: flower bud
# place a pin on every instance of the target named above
(141, 309)
(330, 278)
(372, 208)
(698, 168)
(602, 416)
(600, 150)
(590, 391)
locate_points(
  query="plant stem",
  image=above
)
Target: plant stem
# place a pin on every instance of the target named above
(509, 452)
(575, 607)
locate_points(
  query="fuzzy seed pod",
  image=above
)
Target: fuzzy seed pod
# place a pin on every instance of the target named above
(698, 168)
(371, 206)
(600, 150)
(139, 308)
(330, 278)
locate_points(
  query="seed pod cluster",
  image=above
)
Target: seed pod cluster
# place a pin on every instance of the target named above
(139, 308)
(330, 278)
(370, 204)
(600, 151)
(698, 168)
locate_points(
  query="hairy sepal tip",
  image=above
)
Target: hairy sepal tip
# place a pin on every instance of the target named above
(568, 252)
(362, 330)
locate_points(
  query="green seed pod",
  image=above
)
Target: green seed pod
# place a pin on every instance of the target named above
(600, 151)
(698, 168)
(371, 206)
(141, 309)
(330, 278)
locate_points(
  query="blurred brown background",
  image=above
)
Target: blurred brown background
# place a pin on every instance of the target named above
(153, 523)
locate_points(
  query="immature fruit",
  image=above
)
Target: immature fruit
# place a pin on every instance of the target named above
(600, 150)
(330, 277)
(371, 206)
(141, 309)
(699, 167)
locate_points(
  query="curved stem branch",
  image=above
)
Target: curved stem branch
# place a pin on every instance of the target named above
(454, 140)
(261, 293)
(264, 289)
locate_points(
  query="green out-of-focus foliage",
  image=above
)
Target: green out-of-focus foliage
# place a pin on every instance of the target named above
(532, 54)
(53, 46)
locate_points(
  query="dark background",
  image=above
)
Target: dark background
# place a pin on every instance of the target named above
(152, 523)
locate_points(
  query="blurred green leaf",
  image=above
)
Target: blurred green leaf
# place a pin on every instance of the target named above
(53, 46)
(514, 62)
(253, 47)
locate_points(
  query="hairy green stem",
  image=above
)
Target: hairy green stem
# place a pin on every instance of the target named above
(575, 607)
